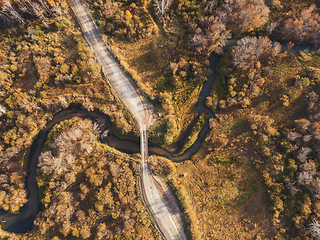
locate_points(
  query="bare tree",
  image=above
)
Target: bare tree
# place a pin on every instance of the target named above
(248, 50)
(241, 15)
(304, 26)
(303, 154)
(211, 33)
(102, 231)
(292, 136)
(35, 10)
(41, 9)
(210, 5)
(162, 6)
(78, 139)
(45, 6)
(305, 178)
(314, 228)
(3, 110)
(9, 14)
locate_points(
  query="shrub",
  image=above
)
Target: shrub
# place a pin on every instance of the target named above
(62, 24)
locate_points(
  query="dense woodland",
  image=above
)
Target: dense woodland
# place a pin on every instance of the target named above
(267, 102)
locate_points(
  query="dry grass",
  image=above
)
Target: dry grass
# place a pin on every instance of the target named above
(147, 60)
(227, 198)
(282, 78)
(193, 135)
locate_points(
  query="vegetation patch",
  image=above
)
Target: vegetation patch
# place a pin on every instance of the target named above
(280, 124)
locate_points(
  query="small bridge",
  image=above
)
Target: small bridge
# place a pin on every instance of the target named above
(168, 220)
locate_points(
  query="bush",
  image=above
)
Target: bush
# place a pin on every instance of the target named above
(62, 24)
(218, 159)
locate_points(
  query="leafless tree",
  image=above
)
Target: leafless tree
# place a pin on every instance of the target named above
(78, 139)
(10, 14)
(312, 97)
(303, 124)
(307, 138)
(240, 15)
(40, 9)
(210, 5)
(314, 228)
(45, 6)
(162, 6)
(198, 42)
(31, 9)
(303, 154)
(292, 188)
(292, 136)
(305, 178)
(3, 110)
(272, 27)
(65, 207)
(304, 26)
(211, 32)
(102, 231)
(249, 49)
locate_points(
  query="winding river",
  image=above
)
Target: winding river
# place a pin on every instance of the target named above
(23, 222)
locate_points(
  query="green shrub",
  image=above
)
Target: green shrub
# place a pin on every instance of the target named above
(218, 159)
(62, 24)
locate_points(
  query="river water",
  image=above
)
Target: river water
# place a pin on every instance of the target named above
(23, 222)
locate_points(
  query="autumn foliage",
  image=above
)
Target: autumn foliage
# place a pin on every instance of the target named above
(89, 191)
(273, 100)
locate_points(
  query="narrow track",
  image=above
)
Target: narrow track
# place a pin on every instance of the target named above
(167, 219)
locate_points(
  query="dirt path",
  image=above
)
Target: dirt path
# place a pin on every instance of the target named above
(162, 208)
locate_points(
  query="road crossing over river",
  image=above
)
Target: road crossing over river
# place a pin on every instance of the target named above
(168, 221)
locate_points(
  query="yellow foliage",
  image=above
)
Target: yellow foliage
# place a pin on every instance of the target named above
(128, 15)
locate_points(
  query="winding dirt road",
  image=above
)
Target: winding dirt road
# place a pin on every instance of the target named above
(162, 206)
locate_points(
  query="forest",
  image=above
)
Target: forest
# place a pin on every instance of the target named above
(256, 175)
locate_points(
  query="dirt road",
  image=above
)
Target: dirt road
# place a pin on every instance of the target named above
(162, 206)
